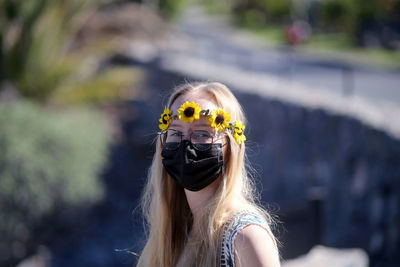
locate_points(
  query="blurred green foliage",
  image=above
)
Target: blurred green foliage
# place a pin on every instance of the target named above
(34, 40)
(50, 161)
(256, 13)
(171, 8)
(37, 54)
(354, 16)
(334, 13)
(350, 17)
(278, 11)
(112, 85)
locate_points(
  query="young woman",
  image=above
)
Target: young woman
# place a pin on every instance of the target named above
(199, 201)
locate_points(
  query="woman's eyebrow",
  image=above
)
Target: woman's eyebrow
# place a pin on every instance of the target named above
(175, 125)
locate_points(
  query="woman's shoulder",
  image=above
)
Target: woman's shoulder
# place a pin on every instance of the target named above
(249, 228)
(255, 246)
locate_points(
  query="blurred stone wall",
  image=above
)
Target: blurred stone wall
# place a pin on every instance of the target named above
(330, 179)
(332, 174)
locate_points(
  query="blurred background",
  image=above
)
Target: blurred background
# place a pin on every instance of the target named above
(83, 83)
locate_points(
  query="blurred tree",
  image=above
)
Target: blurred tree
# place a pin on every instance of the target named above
(277, 11)
(171, 8)
(34, 43)
(258, 13)
(356, 18)
(334, 14)
(36, 47)
(168, 8)
(49, 163)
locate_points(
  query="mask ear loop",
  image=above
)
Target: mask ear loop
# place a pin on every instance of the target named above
(224, 178)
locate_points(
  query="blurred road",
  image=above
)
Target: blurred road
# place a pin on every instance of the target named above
(207, 48)
(213, 39)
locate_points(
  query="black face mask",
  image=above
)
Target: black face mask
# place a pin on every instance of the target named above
(191, 168)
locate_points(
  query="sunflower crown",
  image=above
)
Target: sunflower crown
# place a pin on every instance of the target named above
(219, 119)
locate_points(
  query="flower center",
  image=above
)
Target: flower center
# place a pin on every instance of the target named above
(239, 133)
(219, 119)
(189, 112)
(164, 120)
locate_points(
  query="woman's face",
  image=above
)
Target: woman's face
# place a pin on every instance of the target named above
(186, 129)
(202, 124)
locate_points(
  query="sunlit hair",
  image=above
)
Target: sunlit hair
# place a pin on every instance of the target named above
(165, 207)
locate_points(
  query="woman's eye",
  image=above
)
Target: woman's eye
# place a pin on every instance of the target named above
(201, 135)
(175, 133)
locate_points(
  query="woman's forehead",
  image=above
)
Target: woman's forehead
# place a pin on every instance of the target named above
(203, 122)
(202, 99)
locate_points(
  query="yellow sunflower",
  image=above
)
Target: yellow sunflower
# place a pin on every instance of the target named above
(188, 112)
(220, 119)
(166, 119)
(238, 132)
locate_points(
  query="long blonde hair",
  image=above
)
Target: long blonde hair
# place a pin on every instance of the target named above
(165, 207)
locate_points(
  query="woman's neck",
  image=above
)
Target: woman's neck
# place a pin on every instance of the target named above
(199, 199)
